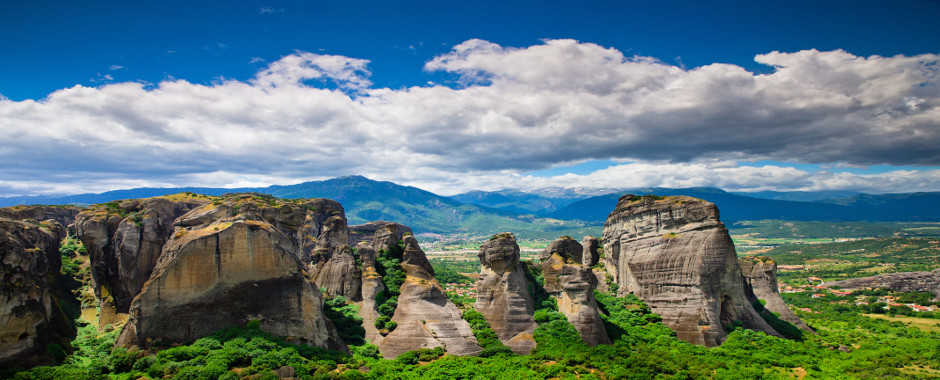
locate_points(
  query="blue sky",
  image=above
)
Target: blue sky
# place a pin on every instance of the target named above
(455, 96)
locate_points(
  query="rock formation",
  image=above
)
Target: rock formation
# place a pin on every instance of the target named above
(31, 320)
(319, 210)
(124, 240)
(65, 215)
(590, 255)
(566, 246)
(760, 273)
(228, 263)
(366, 232)
(572, 285)
(901, 282)
(503, 294)
(372, 285)
(425, 317)
(675, 254)
(333, 263)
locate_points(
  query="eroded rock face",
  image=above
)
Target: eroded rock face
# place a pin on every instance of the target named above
(425, 317)
(901, 282)
(366, 232)
(590, 256)
(319, 210)
(503, 294)
(760, 273)
(566, 246)
(339, 275)
(225, 265)
(30, 317)
(65, 215)
(372, 285)
(572, 285)
(675, 254)
(124, 240)
(334, 265)
(387, 236)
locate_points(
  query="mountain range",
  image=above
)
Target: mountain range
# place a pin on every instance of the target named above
(545, 210)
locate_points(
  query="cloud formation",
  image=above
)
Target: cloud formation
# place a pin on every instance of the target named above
(510, 110)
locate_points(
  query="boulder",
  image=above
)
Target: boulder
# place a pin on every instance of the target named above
(590, 256)
(572, 285)
(760, 273)
(366, 232)
(387, 236)
(124, 240)
(225, 265)
(567, 246)
(31, 318)
(503, 293)
(425, 317)
(676, 255)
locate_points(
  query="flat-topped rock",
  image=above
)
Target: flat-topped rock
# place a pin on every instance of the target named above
(901, 282)
(676, 255)
(124, 241)
(225, 265)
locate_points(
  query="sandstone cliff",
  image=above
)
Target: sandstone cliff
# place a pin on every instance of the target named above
(65, 215)
(227, 263)
(590, 255)
(124, 240)
(902, 282)
(333, 263)
(503, 294)
(572, 285)
(425, 317)
(30, 315)
(760, 273)
(675, 254)
(366, 232)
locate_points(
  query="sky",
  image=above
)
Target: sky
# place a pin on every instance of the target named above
(458, 96)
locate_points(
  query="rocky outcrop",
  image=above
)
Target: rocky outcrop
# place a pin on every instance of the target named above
(676, 255)
(590, 257)
(339, 275)
(65, 215)
(901, 282)
(366, 232)
(31, 320)
(503, 294)
(572, 285)
(333, 263)
(760, 273)
(387, 237)
(228, 263)
(566, 246)
(425, 317)
(124, 240)
(372, 286)
(319, 210)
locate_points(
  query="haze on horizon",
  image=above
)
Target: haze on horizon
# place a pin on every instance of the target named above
(451, 98)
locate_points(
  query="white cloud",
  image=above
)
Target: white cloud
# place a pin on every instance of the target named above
(311, 116)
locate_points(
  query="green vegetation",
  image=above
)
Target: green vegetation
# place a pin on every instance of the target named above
(485, 335)
(346, 319)
(388, 265)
